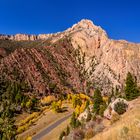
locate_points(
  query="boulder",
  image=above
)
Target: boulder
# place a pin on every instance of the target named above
(108, 113)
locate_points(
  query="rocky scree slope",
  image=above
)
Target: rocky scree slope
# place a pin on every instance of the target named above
(98, 60)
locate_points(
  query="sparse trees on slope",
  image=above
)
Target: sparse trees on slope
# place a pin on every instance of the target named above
(131, 89)
(7, 129)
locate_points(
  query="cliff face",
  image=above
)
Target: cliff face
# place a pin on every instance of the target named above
(102, 61)
(114, 59)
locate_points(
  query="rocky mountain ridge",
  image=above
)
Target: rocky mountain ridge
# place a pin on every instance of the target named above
(25, 37)
(82, 25)
(101, 62)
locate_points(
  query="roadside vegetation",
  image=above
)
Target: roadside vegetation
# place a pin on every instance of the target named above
(93, 108)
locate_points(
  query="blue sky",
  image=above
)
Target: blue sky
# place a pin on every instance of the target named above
(120, 18)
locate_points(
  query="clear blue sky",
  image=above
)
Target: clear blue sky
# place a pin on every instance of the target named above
(120, 18)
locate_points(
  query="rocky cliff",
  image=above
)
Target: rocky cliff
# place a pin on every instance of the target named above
(25, 37)
(85, 55)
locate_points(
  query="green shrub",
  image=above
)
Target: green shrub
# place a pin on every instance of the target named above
(102, 109)
(74, 121)
(67, 130)
(120, 107)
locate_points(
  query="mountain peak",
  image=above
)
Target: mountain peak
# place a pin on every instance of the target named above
(85, 24)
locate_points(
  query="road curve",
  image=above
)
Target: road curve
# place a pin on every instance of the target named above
(50, 128)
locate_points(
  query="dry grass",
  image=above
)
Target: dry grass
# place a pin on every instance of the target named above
(127, 128)
(27, 122)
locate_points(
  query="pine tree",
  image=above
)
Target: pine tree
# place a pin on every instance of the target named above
(97, 101)
(131, 89)
(67, 130)
(73, 120)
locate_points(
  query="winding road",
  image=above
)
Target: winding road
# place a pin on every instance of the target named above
(50, 128)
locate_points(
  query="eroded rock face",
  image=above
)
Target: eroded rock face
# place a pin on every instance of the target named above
(114, 59)
(19, 37)
(25, 37)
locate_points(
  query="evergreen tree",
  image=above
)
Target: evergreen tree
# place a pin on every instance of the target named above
(73, 120)
(78, 123)
(131, 89)
(97, 101)
(67, 130)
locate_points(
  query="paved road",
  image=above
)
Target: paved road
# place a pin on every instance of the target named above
(50, 128)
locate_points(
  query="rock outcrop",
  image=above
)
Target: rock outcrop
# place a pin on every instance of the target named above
(108, 113)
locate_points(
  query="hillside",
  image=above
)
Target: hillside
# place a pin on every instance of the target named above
(127, 128)
(83, 53)
(46, 69)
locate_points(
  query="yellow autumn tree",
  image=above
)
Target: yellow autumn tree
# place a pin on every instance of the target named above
(59, 103)
(105, 99)
(74, 98)
(83, 107)
(69, 97)
(48, 100)
(77, 110)
(83, 96)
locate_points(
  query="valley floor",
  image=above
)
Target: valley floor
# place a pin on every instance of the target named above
(46, 120)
